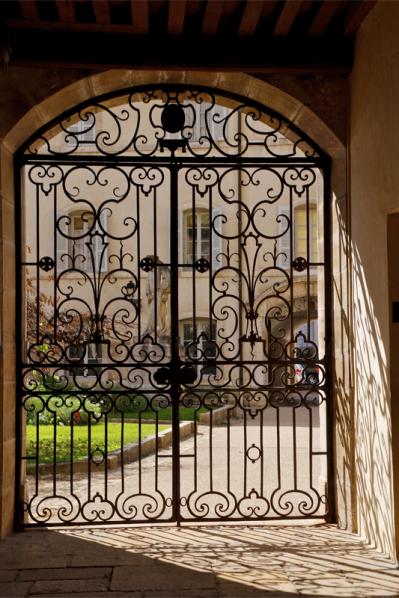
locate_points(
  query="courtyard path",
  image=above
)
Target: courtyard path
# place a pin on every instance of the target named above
(206, 483)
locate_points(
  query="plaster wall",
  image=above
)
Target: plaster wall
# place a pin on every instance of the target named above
(374, 175)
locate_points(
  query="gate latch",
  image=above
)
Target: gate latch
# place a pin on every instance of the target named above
(186, 375)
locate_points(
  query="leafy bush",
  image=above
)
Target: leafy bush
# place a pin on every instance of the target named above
(60, 406)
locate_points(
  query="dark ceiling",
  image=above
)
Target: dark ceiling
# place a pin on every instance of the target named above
(251, 35)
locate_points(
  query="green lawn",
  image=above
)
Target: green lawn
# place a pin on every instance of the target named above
(80, 439)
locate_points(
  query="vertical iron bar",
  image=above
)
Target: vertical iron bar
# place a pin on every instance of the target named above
(294, 448)
(329, 350)
(261, 454)
(122, 452)
(309, 258)
(210, 449)
(240, 315)
(245, 452)
(19, 331)
(138, 264)
(71, 468)
(88, 457)
(106, 457)
(54, 453)
(292, 252)
(196, 414)
(174, 358)
(194, 254)
(140, 457)
(155, 301)
(156, 448)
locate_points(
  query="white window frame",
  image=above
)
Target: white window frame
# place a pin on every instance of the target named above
(215, 239)
(86, 135)
(201, 325)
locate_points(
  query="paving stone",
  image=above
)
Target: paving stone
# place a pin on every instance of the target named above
(33, 562)
(194, 562)
(55, 587)
(14, 588)
(161, 577)
(234, 590)
(109, 558)
(66, 573)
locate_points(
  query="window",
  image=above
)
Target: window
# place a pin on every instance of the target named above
(85, 131)
(299, 224)
(197, 235)
(214, 117)
(83, 247)
(87, 358)
(205, 348)
(300, 233)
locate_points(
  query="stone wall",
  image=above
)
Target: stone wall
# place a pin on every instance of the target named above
(374, 174)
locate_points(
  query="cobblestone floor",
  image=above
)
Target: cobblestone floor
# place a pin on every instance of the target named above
(193, 562)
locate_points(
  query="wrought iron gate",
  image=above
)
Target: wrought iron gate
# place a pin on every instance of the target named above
(175, 313)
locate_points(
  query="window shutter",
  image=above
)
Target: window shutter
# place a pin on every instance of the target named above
(221, 111)
(216, 238)
(61, 247)
(180, 236)
(283, 242)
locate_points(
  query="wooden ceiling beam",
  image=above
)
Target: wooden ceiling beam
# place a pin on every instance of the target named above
(102, 11)
(29, 10)
(140, 16)
(114, 49)
(71, 27)
(323, 17)
(66, 11)
(176, 15)
(357, 12)
(211, 20)
(286, 17)
(250, 18)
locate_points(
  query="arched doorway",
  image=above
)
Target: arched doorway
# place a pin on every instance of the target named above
(176, 313)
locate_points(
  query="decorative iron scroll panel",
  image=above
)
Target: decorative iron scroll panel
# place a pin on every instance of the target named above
(175, 316)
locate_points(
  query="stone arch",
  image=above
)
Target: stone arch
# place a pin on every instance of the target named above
(82, 90)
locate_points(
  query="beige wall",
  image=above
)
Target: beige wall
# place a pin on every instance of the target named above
(374, 172)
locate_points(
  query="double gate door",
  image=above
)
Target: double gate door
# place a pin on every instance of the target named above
(174, 324)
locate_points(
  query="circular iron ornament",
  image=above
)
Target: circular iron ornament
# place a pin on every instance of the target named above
(46, 263)
(147, 264)
(173, 118)
(300, 264)
(202, 265)
(254, 453)
(97, 456)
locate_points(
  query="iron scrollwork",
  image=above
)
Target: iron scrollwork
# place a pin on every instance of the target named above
(174, 274)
